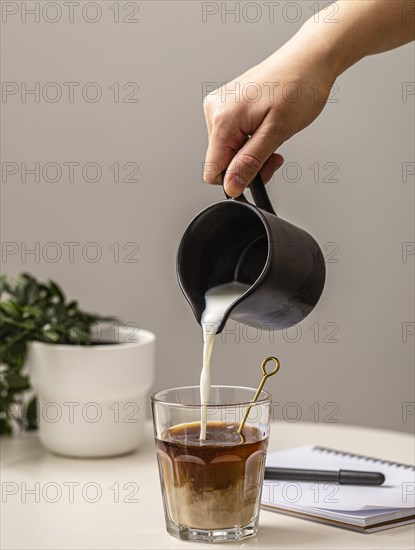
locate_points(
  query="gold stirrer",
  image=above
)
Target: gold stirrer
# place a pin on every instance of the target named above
(261, 385)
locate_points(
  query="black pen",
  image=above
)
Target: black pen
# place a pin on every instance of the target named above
(343, 477)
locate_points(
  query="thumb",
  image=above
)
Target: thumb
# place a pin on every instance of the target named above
(248, 162)
(273, 164)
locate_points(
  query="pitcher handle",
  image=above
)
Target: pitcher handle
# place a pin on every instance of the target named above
(259, 194)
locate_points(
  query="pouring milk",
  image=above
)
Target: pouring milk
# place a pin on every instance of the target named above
(217, 301)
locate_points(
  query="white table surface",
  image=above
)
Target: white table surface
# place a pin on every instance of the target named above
(107, 524)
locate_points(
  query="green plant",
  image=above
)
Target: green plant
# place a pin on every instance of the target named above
(33, 311)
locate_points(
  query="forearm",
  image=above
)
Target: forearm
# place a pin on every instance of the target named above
(360, 28)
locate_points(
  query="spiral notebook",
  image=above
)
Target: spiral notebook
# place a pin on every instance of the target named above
(359, 508)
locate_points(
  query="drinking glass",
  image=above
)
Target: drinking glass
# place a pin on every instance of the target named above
(211, 489)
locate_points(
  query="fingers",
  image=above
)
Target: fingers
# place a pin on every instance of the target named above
(219, 157)
(249, 160)
(233, 153)
(224, 142)
(274, 162)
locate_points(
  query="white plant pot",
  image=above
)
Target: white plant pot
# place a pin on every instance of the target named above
(92, 399)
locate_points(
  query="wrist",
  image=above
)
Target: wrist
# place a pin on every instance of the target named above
(320, 40)
(353, 33)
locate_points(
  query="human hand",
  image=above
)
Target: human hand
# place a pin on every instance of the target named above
(270, 102)
(286, 92)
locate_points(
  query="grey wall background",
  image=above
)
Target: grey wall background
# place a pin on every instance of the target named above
(364, 377)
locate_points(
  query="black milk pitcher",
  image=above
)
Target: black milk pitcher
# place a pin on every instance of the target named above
(234, 240)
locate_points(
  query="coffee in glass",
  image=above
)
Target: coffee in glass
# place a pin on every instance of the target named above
(211, 487)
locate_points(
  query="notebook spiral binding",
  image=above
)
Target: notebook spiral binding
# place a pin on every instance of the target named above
(363, 457)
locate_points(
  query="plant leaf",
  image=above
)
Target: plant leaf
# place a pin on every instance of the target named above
(17, 381)
(31, 414)
(57, 291)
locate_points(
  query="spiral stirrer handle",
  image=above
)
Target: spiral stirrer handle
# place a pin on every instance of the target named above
(261, 385)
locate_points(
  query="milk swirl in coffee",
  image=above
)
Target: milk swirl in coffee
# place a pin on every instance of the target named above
(214, 484)
(217, 301)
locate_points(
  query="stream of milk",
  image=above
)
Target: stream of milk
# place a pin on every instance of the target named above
(217, 301)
